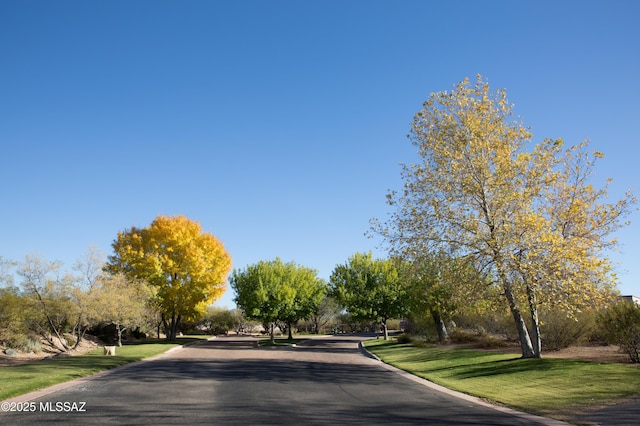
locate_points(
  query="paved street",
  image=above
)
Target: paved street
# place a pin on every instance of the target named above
(228, 381)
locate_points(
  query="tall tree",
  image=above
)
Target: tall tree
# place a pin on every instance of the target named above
(187, 266)
(327, 311)
(272, 291)
(83, 292)
(530, 214)
(122, 302)
(438, 285)
(50, 310)
(370, 289)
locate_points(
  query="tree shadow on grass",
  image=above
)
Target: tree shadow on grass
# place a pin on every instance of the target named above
(507, 366)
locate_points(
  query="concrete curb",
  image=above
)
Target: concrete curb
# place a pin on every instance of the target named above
(525, 416)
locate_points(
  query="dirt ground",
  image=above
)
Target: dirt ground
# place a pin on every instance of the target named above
(591, 353)
(588, 353)
(23, 358)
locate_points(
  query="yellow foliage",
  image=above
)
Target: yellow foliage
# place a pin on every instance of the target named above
(528, 212)
(187, 266)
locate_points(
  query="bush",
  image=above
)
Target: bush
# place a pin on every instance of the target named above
(461, 336)
(404, 338)
(422, 327)
(496, 324)
(620, 325)
(25, 344)
(487, 341)
(560, 331)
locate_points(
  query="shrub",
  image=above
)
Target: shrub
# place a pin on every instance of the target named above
(620, 325)
(422, 327)
(461, 336)
(25, 344)
(487, 341)
(560, 331)
(404, 338)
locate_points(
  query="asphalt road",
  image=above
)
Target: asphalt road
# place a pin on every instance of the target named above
(229, 381)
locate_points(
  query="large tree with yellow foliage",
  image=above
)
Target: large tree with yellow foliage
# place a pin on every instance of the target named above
(187, 267)
(527, 213)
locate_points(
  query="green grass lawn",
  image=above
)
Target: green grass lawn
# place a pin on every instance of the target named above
(548, 386)
(20, 379)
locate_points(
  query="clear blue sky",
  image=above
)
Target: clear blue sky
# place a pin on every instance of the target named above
(279, 125)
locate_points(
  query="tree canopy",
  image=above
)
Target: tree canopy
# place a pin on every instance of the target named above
(187, 266)
(370, 289)
(438, 286)
(528, 214)
(272, 291)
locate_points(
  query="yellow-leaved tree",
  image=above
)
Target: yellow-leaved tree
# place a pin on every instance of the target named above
(527, 214)
(187, 267)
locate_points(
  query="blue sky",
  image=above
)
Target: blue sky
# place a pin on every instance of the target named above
(279, 125)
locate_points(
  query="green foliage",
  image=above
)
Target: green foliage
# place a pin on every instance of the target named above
(404, 338)
(345, 322)
(463, 336)
(219, 320)
(24, 343)
(324, 319)
(12, 310)
(560, 330)
(272, 291)
(442, 283)
(49, 307)
(620, 324)
(370, 289)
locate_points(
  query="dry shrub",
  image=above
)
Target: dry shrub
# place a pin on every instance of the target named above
(559, 331)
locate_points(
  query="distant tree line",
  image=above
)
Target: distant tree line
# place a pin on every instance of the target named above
(491, 235)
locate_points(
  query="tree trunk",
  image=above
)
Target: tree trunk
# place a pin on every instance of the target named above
(384, 328)
(272, 327)
(119, 331)
(167, 328)
(45, 334)
(521, 326)
(535, 322)
(175, 323)
(290, 332)
(79, 336)
(523, 333)
(171, 328)
(443, 336)
(52, 326)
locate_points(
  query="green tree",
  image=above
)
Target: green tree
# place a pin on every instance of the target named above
(12, 310)
(370, 289)
(327, 311)
(620, 324)
(186, 266)
(83, 292)
(531, 215)
(49, 309)
(272, 291)
(218, 320)
(122, 302)
(11, 304)
(438, 285)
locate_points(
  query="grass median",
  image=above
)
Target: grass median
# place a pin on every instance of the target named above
(20, 379)
(549, 386)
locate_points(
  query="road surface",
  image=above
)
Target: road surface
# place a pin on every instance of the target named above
(229, 381)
